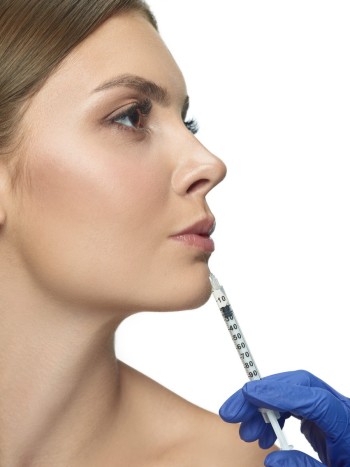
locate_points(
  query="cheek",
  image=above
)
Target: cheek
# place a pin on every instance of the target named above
(85, 220)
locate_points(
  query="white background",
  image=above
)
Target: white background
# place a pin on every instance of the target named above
(269, 83)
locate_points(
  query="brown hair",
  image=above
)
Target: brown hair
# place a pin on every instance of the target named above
(35, 36)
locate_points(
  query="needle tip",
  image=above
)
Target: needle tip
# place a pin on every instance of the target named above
(214, 282)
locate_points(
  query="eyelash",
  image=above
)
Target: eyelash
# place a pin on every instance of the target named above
(143, 110)
(192, 125)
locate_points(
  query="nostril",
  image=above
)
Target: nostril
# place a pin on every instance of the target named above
(197, 185)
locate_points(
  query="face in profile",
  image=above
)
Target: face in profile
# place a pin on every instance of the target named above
(113, 214)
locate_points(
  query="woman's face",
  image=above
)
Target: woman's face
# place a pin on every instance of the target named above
(113, 175)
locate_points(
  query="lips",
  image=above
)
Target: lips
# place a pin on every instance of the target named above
(198, 235)
(203, 227)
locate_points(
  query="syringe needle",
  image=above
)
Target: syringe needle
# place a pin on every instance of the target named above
(247, 360)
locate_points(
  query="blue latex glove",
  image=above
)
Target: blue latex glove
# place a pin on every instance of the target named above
(290, 459)
(324, 415)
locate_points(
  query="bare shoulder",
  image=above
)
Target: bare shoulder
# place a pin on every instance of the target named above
(187, 435)
(221, 445)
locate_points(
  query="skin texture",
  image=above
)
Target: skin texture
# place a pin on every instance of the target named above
(84, 243)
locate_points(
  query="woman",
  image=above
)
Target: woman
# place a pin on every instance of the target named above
(102, 214)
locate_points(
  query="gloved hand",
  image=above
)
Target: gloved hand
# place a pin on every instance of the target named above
(324, 415)
(290, 459)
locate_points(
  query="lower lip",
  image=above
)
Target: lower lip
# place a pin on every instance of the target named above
(197, 241)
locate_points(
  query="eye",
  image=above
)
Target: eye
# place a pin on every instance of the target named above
(134, 117)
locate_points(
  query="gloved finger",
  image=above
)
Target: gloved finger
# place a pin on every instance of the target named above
(257, 429)
(290, 459)
(237, 408)
(315, 437)
(253, 429)
(267, 436)
(317, 405)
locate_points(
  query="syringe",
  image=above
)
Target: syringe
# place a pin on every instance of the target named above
(246, 357)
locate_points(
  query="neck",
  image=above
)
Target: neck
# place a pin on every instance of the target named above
(59, 381)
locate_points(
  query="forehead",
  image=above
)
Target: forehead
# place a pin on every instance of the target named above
(124, 44)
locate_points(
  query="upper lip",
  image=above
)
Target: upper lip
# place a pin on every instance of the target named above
(203, 227)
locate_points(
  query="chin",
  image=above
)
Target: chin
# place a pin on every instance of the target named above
(199, 296)
(187, 293)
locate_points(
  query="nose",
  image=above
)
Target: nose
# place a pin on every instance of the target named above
(197, 170)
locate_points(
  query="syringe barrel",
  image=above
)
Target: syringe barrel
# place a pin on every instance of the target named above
(246, 357)
(236, 333)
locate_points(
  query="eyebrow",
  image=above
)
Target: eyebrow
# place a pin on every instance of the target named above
(148, 88)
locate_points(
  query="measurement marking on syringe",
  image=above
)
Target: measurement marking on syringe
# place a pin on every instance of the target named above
(244, 353)
(239, 342)
(236, 333)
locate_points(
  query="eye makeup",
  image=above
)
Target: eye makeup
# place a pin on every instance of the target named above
(135, 116)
